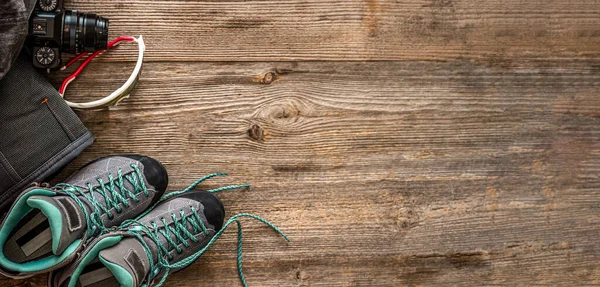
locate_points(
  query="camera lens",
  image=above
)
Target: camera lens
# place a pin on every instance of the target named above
(84, 32)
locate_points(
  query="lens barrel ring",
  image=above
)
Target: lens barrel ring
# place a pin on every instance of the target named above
(84, 32)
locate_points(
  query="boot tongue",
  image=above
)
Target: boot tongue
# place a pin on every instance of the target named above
(67, 221)
(127, 261)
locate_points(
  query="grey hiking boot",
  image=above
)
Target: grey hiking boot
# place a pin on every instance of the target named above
(47, 227)
(144, 251)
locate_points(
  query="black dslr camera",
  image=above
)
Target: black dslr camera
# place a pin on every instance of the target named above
(53, 30)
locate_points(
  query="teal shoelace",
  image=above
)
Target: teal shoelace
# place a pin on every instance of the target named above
(183, 235)
(119, 195)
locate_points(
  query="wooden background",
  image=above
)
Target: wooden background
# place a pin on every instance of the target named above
(397, 143)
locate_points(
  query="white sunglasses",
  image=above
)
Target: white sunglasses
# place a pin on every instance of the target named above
(115, 97)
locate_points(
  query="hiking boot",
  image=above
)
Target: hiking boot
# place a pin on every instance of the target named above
(47, 227)
(164, 240)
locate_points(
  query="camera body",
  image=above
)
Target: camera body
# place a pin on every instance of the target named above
(45, 29)
(54, 30)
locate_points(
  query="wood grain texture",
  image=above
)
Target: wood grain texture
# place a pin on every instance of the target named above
(382, 174)
(267, 30)
(473, 161)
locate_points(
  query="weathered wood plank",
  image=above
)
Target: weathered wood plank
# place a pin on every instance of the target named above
(382, 173)
(352, 30)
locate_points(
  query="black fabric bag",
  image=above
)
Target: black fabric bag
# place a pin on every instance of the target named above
(39, 133)
(14, 17)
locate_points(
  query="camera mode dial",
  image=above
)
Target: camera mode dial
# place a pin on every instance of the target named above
(48, 5)
(45, 56)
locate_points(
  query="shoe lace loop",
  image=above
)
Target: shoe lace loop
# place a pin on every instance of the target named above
(113, 192)
(179, 230)
(183, 232)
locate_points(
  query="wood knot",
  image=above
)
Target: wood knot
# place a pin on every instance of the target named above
(256, 133)
(286, 112)
(301, 275)
(268, 78)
